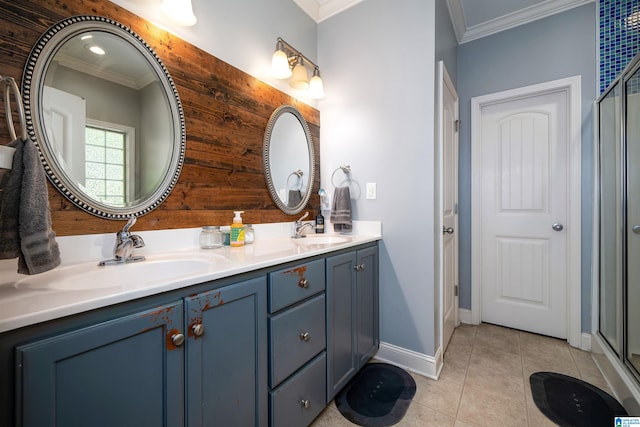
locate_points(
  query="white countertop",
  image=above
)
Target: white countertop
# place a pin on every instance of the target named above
(27, 300)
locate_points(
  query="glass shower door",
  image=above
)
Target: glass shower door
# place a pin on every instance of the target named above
(610, 119)
(632, 88)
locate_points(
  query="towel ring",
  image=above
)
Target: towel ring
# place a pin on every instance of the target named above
(11, 85)
(299, 174)
(346, 169)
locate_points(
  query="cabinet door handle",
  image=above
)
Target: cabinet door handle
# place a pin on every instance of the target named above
(358, 267)
(177, 339)
(198, 329)
(304, 336)
(303, 283)
(305, 403)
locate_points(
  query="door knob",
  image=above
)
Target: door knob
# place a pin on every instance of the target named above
(447, 230)
(557, 226)
(636, 229)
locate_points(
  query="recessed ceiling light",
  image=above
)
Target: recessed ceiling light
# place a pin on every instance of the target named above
(97, 50)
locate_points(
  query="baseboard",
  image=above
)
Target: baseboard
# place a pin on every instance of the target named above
(422, 364)
(464, 316)
(585, 342)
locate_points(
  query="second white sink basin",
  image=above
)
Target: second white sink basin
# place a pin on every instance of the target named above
(320, 239)
(89, 276)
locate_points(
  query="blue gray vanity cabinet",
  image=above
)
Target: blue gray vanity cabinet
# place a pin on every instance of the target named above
(297, 340)
(197, 358)
(226, 356)
(126, 371)
(352, 315)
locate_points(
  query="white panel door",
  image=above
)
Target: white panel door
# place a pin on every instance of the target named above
(524, 212)
(449, 198)
(65, 121)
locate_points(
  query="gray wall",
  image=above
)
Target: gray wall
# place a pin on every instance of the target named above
(242, 33)
(559, 46)
(377, 60)
(446, 42)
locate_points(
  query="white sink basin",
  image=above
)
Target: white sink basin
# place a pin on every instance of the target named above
(89, 276)
(321, 240)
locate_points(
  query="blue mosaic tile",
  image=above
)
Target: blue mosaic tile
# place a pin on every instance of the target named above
(619, 37)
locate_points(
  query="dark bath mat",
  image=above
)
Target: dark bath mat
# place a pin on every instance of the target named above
(379, 395)
(568, 401)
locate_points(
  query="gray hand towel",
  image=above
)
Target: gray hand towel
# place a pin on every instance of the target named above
(341, 210)
(10, 189)
(39, 250)
(25, 218)
(295, 197)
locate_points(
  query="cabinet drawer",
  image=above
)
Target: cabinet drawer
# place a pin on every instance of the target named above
(290, 285)
(297, 335)
(299, 400)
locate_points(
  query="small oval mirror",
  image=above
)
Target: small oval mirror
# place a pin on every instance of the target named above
(106, 117)
(289, 159)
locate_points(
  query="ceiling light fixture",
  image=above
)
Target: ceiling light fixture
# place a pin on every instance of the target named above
(179, 11)
(289, 62)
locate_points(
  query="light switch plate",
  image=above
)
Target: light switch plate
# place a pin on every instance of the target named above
(371, 191)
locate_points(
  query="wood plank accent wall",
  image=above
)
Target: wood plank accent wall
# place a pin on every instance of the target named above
(226, 113)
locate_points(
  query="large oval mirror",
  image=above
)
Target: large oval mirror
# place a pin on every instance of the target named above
(105, 115)
(288, 159)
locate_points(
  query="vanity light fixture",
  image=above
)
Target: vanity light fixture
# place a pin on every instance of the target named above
(179, 11)
(288, 62)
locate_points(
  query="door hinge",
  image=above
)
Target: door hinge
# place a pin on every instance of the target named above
(457, 125)
(455, 209)
(455, 290)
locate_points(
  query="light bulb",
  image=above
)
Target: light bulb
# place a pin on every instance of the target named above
(280, 65)
(300, 78)
(316, 87)
(179, 11)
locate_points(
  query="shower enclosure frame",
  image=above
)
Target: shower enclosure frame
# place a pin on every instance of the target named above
(610, 340)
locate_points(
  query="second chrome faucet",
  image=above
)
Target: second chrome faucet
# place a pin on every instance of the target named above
(300, 226)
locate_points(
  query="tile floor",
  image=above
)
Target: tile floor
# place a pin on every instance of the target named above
(485, 380)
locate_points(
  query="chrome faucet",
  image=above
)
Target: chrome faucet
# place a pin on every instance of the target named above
(125, 244)
(301, 226)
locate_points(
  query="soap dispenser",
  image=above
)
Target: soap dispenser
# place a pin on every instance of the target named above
(237, 230)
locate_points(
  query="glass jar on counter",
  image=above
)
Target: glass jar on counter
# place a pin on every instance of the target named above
(210, 237)
(249, 234)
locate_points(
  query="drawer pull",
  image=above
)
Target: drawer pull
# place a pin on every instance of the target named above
(304, 336)
(305, 403)
(198, 330)
(303, 283)
(177, 339)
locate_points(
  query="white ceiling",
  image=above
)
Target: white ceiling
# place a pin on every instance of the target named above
(320, 10)
(472, 19)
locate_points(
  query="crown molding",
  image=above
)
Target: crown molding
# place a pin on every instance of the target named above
(319, 10)
(511, 20)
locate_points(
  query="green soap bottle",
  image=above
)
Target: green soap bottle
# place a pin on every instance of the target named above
(237, 230)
